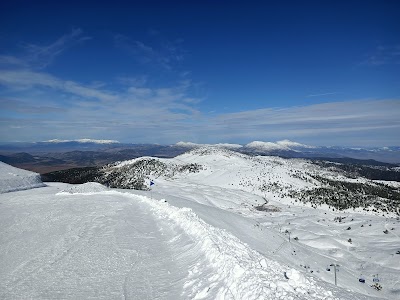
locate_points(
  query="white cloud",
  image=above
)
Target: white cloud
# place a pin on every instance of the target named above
(31, 79)
(321, 95)
(12, 61)
(133, 111)
(383, 55)
(326, 123)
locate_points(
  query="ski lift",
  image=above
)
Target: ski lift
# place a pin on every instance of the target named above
(328, 269)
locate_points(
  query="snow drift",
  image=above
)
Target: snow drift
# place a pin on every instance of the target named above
(14, 179)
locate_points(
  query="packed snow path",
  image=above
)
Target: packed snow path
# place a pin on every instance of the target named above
(88, 247)
(90, 243)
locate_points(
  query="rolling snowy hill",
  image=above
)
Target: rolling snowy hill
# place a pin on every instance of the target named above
(215, 224)
(291, 180)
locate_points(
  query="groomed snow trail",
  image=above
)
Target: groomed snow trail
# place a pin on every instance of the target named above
(89, 246)
(91, 242)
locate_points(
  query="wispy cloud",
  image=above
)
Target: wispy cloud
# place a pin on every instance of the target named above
(321, 95)
(136, 81)
(27, 108)
(383, 55)
(164, 53)
(27, 79)
(40, 56)
(12, 61)
(326, 120)
(35, 103)
(73, 108)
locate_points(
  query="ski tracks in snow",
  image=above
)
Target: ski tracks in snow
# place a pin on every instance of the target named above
(119, 245)
(231, 269)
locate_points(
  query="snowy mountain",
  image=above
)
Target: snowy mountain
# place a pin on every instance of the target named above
(55, 155)
(220, 145)
(287, 148)
(57, 141)
(284, 145)
(215, 224)
(14, 179)
(315, 183)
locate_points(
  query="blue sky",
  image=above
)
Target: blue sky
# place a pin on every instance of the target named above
(316, 72)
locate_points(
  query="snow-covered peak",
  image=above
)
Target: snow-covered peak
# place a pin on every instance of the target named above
(228, 146)
(266, 146)
(57, 141)
(213, 150)
(285, 145)
(291, 144)
(219, 145)
(187, 144)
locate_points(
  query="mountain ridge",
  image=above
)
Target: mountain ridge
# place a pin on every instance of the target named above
(291, 180)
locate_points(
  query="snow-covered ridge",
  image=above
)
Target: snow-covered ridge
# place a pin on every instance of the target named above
(292, 180)
(284, 145)
(14, 179)
(266, 146)
(292, 144)
(220, 145)
(57, 141)
(210, 151)
(86, 188)
(136, 172)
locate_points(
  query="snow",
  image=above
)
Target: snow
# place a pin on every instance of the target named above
(14, 179)
(194, 236)
(115, 244)
(267, 146)
(57, 141)
(86, 188)
(220, 145)
(257, 145)
(292, 144)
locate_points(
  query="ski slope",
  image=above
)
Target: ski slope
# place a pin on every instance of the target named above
(80, 242)
(192, 236)
(363, 243)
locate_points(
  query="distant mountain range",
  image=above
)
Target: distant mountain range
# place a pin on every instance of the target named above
(57, 154)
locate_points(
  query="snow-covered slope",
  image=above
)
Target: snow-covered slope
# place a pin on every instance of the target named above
(121, 245)
(290, 180)
(191, 145)
(279, 195)
(57, 141)
(215, 224)
(14, 179)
